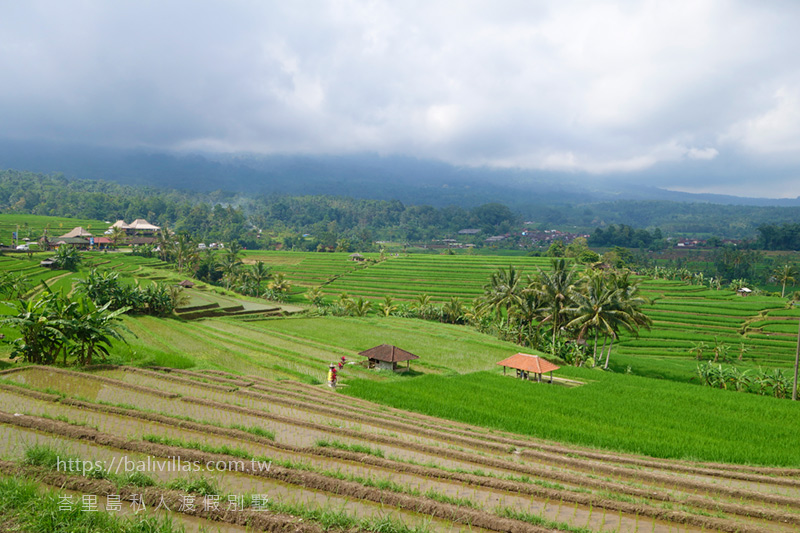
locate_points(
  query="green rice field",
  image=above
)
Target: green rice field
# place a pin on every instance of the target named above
(652, 417)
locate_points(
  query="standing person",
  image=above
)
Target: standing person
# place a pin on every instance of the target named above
(332, 376)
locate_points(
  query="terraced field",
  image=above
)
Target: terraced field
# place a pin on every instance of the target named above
(33, 226)
(315, 455)
(760, 329)
(403, 277)
(307, 269)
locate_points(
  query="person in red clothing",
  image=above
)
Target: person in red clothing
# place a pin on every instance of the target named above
(332, 376)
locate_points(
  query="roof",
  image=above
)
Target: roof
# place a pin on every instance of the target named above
(744, 289)
(388, 353)
(120, 224)
(76, 232)
(71, 240)
(142, 224)
(141, 240)
(186, 283)
(529, 363)
(102, 240)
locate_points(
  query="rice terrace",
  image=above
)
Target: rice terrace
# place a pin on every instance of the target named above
(216, 414)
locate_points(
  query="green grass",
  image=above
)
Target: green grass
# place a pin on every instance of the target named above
(195, 445)
(254, 430)
(32, 226)
(618, 412)
(24, 506)
(358, 448)
(537, 520)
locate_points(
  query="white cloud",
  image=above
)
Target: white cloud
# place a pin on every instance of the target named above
(775, 130)
(705, 154)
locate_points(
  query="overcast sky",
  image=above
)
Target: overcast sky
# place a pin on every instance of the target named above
(699, 95)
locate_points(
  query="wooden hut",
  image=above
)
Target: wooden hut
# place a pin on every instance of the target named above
(386, 357)
(526, 364)
(186, 284)
(357, 257)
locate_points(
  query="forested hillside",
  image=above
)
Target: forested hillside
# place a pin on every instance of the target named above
(225, 215)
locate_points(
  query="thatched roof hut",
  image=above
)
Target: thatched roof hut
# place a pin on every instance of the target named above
(386, 357)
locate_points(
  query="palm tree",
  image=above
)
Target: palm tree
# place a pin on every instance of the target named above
(315, 296)
(784, 274)
(234, 248)
(596, 308)
(67, 257)
(184, 251)
(117, 236)
(387, 306)
(278, 287)
(556, 289)
(230, 266)
(422, 305)
(259, 273)
(453, 311)
(525, 314)
(359, 307)
(503, 292)
(629, 302)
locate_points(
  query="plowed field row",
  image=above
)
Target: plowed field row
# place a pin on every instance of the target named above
(483, 475)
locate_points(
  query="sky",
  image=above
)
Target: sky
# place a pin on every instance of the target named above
(697, 95)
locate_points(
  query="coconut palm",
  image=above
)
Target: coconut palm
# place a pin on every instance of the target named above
(278, 287)
(423, 306)
(230, 266)
(359, 307)
(117, 236)
(556, 290)
(598, 309)
(453, 311)
(184, 251)
(525, 314)
(387, 306)
(629, 302)
(784, 274)
(503, 292)
(315, 296)
(259, 273)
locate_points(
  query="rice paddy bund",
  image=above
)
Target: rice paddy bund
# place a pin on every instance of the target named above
(301, 451)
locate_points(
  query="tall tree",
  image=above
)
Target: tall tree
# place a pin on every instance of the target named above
(503, 292)
(259, 273)
(784, 274)
(556, 289)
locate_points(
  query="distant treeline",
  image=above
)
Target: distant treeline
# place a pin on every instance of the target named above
(627, 237)
(219, 216)
(783, 237)
(325, 220)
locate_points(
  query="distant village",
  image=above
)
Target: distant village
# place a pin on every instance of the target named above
(543, 238)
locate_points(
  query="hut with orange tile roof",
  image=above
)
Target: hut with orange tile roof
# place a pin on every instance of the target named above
(526, 364)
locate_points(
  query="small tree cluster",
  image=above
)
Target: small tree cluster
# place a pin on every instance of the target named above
(764, 382)
(52, 325)
(106, 289)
